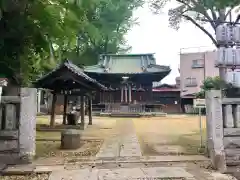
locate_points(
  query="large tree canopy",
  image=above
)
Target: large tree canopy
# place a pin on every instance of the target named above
(227, 3)
(198, 12)
(36, 35)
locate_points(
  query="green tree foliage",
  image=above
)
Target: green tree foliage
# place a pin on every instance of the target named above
(198, 12)
(108, 23)
(37, 35)
(227, 3)
(212, 83)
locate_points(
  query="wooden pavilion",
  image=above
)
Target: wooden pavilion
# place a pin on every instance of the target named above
(69, 80)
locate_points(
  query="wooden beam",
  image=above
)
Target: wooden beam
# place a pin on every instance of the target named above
(49, 79)
(65, 109)
(79, 81)
(54, 100)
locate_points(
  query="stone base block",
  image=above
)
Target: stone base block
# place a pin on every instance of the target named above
(82, 127)
(15, 158)
(70, 139)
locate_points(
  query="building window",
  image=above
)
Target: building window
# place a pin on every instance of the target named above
(191, 82)
(197, 63)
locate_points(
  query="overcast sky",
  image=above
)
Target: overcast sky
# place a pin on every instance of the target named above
(153, 35)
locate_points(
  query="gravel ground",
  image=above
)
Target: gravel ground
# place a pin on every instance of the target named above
(171, 135)
(29, 177)
(52, 149)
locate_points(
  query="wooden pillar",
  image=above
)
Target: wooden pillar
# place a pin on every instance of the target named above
(90, 110)
(126, 99)
(82, 109)
(54, 100)
(65, 109)
(130, 93)
(121, 94)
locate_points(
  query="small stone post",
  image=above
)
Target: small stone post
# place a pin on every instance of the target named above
(215, 130)
(27, 124)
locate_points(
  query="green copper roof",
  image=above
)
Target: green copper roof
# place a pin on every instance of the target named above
(127, 64)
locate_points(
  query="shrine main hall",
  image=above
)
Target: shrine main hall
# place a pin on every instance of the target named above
(129, 78)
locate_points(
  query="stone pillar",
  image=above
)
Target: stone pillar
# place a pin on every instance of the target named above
(237, 116)
(90, 110)
(215, 130)
(82, 110)
(39, 93)
(27, 124)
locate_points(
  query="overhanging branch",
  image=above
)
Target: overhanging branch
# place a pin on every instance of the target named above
(201, 28)
(202, 10)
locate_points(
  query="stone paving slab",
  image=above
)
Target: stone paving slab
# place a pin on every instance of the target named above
(2, 166)
(123, 142)
(82, 174)
(173, 173)
(158, 160)
(173, 158)
(19, 170)
(109, 149)
(128, 140)
(47, 169)
(166, 172)
(120, 174)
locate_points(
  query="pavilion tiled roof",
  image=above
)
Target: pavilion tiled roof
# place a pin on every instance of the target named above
(127, 64)
(74, 69)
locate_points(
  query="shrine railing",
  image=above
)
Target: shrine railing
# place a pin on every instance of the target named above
(223, 130)
(131, 108)
(9, 123)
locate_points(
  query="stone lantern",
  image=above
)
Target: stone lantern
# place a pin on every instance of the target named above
(228, 60)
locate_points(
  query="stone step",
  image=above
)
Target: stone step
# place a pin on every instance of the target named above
(125, 114)
(143, 159)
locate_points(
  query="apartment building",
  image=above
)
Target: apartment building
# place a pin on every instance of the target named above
(194, 68)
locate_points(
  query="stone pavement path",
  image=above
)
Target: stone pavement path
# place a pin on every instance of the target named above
(120, 158)
(123, 141)
(160, 173)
